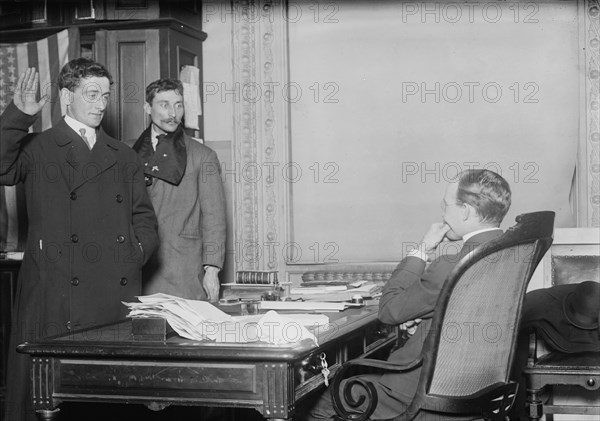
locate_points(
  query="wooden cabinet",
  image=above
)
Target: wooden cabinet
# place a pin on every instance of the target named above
(132, 57)
(137, 53)
(44, 13)
(139, 41)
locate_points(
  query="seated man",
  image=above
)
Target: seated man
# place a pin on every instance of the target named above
(472, 209)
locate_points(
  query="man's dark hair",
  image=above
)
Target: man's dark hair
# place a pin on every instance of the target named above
(71, 74)
(487, 192)
(161, 85)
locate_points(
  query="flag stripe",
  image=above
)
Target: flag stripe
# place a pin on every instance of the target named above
(32, 61)
(53, 63)
(74, 43)
(45, 78)
(22, 58)
(64, 46)
(32, 58)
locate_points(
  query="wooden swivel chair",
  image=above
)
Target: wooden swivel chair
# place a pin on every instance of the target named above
(466, 373)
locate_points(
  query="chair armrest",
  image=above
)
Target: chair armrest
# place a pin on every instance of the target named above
(369, 393)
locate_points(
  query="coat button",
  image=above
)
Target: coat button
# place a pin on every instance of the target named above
(73, 195)
(123, 281)
(119, 198)
(120, 239)
(75, 281)
(74, 238)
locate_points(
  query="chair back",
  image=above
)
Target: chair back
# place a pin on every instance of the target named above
(475, 325)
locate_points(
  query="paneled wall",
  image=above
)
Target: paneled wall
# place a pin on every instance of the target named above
(274, 45)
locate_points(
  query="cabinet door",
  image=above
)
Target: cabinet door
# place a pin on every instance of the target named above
(183, 50)
(133, 58)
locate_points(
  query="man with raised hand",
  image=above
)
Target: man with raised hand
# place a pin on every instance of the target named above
(91, 223)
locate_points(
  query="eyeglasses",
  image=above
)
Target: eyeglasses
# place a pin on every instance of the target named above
(444, 204)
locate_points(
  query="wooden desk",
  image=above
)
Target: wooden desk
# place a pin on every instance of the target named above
(104, 364)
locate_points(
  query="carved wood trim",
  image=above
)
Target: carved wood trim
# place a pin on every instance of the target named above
(42, 384)
(278, 386)
(589, 145)
(245, 133)
(260, 124)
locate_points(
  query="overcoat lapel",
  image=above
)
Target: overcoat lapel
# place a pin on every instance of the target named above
(81, 164)
(102, 158)
(71, 155)
(170, 159)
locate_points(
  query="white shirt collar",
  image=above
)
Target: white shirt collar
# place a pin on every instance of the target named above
(76, 125)
(154, 137)
(472, 233)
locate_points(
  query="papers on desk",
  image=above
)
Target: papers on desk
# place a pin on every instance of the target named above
(200, 320)
(303, 305)
(318, 290)
(338, 293)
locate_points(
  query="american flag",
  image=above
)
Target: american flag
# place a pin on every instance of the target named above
(47, 55)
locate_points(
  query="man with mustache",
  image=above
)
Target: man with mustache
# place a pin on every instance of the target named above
(91, 223)
(184, 183)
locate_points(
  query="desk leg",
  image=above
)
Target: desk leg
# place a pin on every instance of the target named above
(47, 414)
(534, 404)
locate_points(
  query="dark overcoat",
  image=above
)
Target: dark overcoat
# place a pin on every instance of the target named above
(91, 228)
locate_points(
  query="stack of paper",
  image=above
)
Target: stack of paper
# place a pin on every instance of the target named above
(317, 290)
(302, 305)
(366, 289)
(337, 293)
(200, 320)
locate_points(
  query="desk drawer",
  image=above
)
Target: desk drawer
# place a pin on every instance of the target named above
(375, 338)
(137, 378)
(265, 386)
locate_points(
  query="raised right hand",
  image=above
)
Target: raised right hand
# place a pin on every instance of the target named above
(26, 91)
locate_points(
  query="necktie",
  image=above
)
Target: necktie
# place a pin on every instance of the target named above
(85, 139)
(159, 138)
